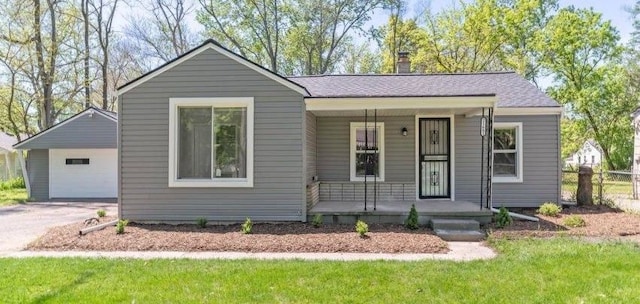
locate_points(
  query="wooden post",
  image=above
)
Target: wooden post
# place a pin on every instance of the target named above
(584, 195)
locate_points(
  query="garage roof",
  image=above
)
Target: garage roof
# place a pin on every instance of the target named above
(92, 128)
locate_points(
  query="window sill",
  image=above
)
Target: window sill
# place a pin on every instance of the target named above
(506, 180)
(235, 183)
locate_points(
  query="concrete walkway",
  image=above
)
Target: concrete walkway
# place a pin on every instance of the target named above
(459, 251)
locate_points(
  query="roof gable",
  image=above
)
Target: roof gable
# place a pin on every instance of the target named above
(212, 44)
(104, 132)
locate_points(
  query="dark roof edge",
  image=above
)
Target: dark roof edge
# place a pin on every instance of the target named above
(205, 43)
(401, 96)
(406, 74)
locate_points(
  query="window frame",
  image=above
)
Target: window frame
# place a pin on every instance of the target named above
(519, 178)
(214, 102)
(353, 126)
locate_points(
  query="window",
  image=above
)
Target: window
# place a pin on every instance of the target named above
(507, 152)
(211, 142)
(367, 151)
(77, 161)
(593, 159)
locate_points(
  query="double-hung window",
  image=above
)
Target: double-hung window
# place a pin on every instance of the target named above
(507, 152)
(211, 142)
(367, 151)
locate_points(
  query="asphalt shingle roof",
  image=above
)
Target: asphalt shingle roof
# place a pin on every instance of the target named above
(511, 89)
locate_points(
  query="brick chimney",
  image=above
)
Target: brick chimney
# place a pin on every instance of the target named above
(404, 64)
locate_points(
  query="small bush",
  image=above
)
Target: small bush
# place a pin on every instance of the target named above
(503, 219)
(120, 226)
(412, 219)
(14, 183)
(574, 221)
(201, 222)
(550, 209)
(101, 213)
(362, 228)
(247, 226)
(317, 220)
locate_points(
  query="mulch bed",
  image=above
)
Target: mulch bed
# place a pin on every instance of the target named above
(601, 221)
(281, 237)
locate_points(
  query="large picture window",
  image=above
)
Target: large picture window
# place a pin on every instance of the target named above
(367, 151)
(507, 152)
(211, 142)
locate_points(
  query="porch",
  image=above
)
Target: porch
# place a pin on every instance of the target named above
(396, 211)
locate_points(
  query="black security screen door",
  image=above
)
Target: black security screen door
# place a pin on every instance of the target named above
(434, 158)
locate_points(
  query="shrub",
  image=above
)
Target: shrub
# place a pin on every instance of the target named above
(201, 222)
(503, 219)
(246, 226)
(549, 209)
(14, 183)
(412, 219)
(120, 226)
(317, 220)
(574, 221)
(362, 228)
(101, 213)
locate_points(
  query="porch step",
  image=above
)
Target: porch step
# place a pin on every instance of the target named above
(454, 224)
(457, 230)
(460, 235)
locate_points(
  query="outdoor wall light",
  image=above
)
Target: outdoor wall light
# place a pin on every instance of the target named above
(404, 131)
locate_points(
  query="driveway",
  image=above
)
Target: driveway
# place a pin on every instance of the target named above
(22, 224)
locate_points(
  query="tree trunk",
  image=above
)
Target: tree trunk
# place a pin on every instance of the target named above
(584, 195)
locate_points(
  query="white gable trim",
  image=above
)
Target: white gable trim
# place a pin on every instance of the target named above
(89, 111)
(207, 46)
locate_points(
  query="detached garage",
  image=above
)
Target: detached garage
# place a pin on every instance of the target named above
(75, 159)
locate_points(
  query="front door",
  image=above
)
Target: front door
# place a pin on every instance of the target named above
(434, 158)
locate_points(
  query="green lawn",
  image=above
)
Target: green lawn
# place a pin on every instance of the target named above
(528, 271)
(13, 196)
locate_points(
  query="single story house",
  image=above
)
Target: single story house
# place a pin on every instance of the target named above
(9, 163)
(590, 154)
(74, 159)
(212, 134)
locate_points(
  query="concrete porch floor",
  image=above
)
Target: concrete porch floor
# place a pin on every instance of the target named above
(397, 211)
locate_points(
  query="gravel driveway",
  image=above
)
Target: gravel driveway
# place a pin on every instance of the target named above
(22, 224)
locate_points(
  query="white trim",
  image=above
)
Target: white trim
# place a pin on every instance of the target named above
(352, 151)
(174, 103)
(64, 122)
(452, 155)
(519, 142)
(520, 111)
(381, 103)
(207, 46)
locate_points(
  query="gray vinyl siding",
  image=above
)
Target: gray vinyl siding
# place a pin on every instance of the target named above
(38, 172)
(540, 157)
(278, 193)
(310, 134)
(333, 148)
(82, 132)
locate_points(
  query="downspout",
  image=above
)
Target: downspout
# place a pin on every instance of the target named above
(25, 175)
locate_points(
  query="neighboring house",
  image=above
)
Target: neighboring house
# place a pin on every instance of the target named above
(9, 163)
(74, 159)
(590, 154)
(211, 134)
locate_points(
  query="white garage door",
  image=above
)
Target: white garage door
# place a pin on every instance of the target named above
(83, 173)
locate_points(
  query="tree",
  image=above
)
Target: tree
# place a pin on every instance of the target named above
(399, 35)
(582, 52)
(253, 28)
(104, 11)
(360, 59)
(162, 35)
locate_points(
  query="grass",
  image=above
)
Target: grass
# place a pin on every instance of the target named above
(13, 196)
(539, 271)
(610, 187)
